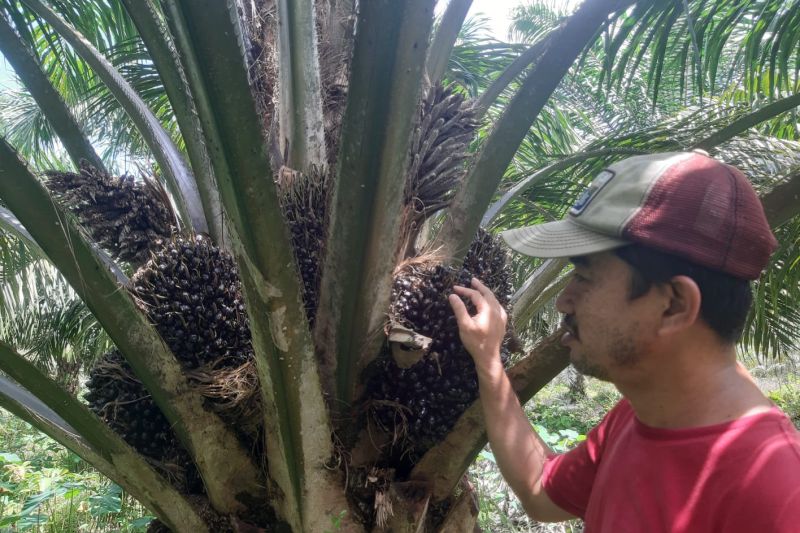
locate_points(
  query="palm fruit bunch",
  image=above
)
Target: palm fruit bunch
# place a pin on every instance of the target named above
(191, 292)
(423, 401)
(120, 399)
(124, 216)
(445, 127)
(304, 201)
(440, 143)
(487, 260)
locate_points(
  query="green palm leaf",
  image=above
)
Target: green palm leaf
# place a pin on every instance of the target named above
(706, 49)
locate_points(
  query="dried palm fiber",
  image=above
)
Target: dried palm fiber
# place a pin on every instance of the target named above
(124, 216)
(261, 29)
(334, 48)
(440, 142)
(120, 399)
(304, 201)
(234, 395)
(421, 403)
(366, 490)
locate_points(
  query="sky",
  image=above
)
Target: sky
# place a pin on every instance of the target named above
(497, 11)
(6, 75)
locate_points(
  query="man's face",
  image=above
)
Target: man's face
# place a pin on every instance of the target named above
(609, 334)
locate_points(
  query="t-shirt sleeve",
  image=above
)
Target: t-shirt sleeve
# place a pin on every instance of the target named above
(568, 478)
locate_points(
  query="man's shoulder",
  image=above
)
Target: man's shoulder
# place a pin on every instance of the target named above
(768, 447)
(615, 421)
(772, 430)
(764, 495)
(780, 442)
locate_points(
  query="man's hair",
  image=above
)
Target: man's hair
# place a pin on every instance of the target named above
(725, 299)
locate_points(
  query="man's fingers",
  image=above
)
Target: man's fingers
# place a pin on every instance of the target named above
(476, 297)
(484, 291)
(459, 309)
(464, 291)
(473, 295)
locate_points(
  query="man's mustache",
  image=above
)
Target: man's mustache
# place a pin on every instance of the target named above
(569, 323)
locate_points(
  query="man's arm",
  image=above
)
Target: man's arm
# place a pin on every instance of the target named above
(519, 451)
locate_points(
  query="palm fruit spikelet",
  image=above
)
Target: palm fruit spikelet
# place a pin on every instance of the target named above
(445, 127)
(421, 403)
(124, 216)
(304, 201)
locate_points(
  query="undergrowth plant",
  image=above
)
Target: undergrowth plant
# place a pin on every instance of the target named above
(45, 488)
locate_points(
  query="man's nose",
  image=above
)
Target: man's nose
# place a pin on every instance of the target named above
(564, 302)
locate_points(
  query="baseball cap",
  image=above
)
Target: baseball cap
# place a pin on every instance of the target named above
(683, 203)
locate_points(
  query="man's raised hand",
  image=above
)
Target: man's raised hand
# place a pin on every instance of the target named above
(481, 333)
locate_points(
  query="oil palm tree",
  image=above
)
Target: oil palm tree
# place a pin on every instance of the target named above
(263, 117)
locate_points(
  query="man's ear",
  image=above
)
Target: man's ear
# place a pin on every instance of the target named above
(682, 307)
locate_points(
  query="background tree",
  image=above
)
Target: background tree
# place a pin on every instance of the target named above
(314, 174)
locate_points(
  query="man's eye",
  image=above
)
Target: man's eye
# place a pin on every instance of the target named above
(578, 277)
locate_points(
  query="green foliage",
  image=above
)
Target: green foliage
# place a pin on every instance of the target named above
(336, 521)
(787, 397)
(107, 26)
(561, 440)
(45, 488)
(42, 316)
(477, 58)
(562, 421)
(771, 329)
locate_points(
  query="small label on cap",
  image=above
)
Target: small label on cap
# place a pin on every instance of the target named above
(590, 192)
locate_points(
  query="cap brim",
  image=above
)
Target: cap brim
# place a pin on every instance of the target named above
(562, 238)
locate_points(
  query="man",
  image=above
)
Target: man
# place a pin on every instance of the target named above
(663, 247)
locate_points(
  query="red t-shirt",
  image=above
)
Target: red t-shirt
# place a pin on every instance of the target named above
(740, 476)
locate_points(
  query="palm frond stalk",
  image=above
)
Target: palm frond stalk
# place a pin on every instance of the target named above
(161, 48)
(780, 204)
(445, 37)
(302, 137)
(371, 170)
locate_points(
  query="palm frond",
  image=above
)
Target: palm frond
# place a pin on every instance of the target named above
(711, 49)
(533, 20)
(15, 257)
(109, 28)
(44, 318)
(478, 59)
(771, 328)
